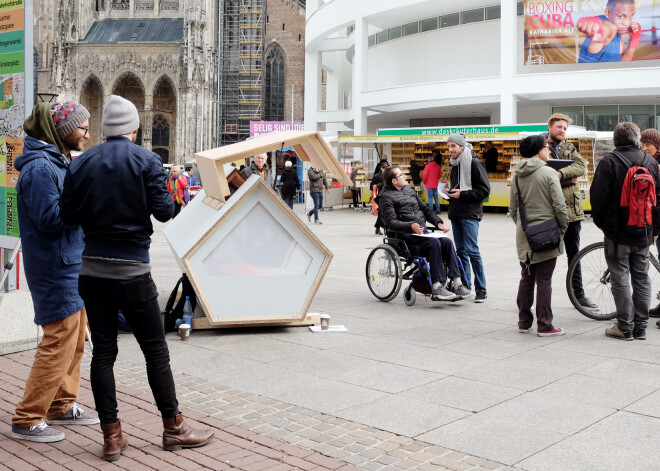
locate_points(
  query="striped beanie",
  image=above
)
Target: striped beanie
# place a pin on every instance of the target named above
(68, 115)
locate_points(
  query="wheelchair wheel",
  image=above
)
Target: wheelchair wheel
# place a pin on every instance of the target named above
(409, 295)
(384, 275)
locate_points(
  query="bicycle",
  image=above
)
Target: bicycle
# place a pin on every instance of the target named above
(596, 281)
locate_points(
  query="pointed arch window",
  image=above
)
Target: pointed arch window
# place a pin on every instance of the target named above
(161, 132)
(274, 85)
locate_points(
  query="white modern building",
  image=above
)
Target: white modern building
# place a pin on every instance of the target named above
(374, 64)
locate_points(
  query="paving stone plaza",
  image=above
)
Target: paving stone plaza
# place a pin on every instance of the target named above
(429, 387)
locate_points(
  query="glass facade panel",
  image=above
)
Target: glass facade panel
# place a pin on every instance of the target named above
(601, 118)
(472, 16)
(521, 8)
(429, 24)
(641, 115)
(372, 40)
(493, 13)
(394, 33)
(574, 112)
(453, 19)
(411, 28)
(381, 37)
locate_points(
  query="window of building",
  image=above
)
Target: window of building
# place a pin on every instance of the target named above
(394, 33)
(576, 113)
(521, 8)
(381, 37)
(641, 115)
(472, 16)
(161, 132)
(274, 85)
(493, 13)
(411, 28)
(453, 19)
(601, 118)
(372, 40)
(429, 24)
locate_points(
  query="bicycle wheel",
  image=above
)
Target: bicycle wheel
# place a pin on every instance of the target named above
(384, 275)
(596, 281)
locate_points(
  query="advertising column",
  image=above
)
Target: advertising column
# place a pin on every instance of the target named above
(15, 101)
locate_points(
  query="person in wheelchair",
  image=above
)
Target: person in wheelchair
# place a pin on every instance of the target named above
(403, 211)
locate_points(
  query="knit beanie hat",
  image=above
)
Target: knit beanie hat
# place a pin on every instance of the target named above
(531, 145)
(68, 115)
(120, 116)
(651, 136)
(458, 138)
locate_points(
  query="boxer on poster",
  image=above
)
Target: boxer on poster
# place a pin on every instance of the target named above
(605, 32)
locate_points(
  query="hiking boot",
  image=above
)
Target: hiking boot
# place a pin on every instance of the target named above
(617, 333)
(462, 292)
(587, 304)
(178, 434)
(41, 433)
(639, 333)
(113, 441)
(74, 416)
(481, 296)
(443, 294)
(655, 312)
(551, 333)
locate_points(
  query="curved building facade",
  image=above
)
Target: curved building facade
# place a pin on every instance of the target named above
(407, 63)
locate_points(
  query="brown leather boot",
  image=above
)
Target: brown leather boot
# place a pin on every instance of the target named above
(178, 434)
(113, 441)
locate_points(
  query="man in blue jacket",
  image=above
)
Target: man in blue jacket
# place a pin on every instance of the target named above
(52, 254)
(112, 191)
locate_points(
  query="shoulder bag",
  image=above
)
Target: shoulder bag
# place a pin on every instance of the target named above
(541, 237)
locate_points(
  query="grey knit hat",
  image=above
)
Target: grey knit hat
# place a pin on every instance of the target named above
(68, 115)
(458, 138)
(651, 136)
(120, 116)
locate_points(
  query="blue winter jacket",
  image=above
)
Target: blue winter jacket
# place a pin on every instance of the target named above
(52, 252)
(111, 191)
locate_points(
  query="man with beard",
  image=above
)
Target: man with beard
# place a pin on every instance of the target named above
(560, 148)
(52, 254)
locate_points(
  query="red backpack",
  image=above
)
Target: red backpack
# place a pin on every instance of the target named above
(638, 198)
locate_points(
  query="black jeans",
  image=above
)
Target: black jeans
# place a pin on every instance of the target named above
(137, 298)
(438, 252)
(539, 274)
(572, 244)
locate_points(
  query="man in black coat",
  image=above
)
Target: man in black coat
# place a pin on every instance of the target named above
(626, 253)
(403, 211)
(469, 189)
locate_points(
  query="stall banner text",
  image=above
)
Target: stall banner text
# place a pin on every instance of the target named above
(589, 31)
(12, 108)
(259, 128)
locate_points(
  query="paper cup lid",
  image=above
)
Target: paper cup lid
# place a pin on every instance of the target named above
(325, 316)
(184, 326)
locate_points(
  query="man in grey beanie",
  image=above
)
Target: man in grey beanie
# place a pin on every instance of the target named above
(112, 191)
(469, 188)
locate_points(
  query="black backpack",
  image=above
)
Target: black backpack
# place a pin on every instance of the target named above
(172, 312)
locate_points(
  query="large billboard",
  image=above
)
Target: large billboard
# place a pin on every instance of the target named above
(588, 31)
(12, 107)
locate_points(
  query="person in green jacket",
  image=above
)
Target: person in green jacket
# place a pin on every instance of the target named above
(541, 193)
(560, 148)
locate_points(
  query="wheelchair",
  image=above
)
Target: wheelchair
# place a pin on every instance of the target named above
(392, 262)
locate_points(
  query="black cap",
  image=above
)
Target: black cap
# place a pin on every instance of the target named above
(531, 145)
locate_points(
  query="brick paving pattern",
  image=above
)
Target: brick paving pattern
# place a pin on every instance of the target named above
(357, 444)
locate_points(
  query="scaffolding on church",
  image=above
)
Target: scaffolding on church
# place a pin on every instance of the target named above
(242, 26)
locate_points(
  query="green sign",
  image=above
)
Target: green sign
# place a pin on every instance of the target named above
(447, 130)
(12, 63)
(13, 41)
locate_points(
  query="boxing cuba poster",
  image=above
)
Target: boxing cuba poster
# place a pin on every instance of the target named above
(588, 31)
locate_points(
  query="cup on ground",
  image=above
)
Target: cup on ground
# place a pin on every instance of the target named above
(184, 331)
(325, 322)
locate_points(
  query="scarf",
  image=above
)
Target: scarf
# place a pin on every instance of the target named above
(41, 126)
(464, 162)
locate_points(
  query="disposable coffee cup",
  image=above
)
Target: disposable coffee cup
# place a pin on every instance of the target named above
(325, 322)
(184, 331)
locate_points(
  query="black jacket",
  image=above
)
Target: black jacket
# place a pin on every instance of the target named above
(401, 208)
(605, 195)
(471, 203)
(290, 181)
(111, 191)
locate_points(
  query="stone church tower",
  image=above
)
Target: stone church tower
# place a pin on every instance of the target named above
(163, 55)
(159, 54)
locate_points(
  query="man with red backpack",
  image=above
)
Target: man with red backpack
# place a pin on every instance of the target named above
(624, 196)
